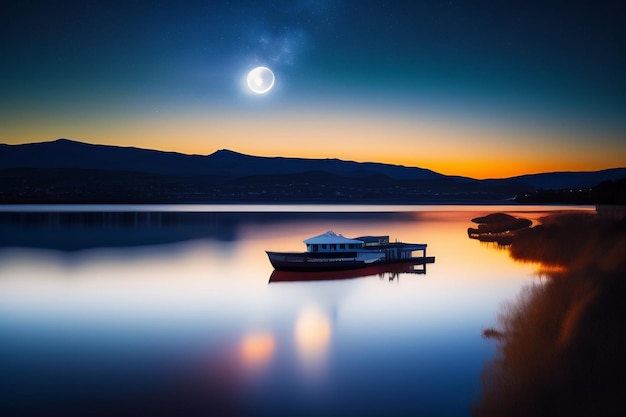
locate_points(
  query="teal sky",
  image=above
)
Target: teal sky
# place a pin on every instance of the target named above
(76, 69)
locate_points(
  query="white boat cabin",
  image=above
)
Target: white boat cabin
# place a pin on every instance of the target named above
(332, 242)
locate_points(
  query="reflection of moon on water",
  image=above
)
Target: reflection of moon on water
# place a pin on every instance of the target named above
(312, 334)
(260, 80)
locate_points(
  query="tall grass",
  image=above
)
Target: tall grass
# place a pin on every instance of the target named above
(562, 343)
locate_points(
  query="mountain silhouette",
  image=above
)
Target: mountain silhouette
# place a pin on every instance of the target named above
(65, 153)
(69, 171)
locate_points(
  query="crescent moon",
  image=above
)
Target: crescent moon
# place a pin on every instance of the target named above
(260, 80)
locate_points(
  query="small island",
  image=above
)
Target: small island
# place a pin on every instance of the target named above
(497, 227)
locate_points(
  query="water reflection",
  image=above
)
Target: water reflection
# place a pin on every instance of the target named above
(70, 230)
(256, 349)
(312, 335)
(561, 344)
(389, 271)
(176, 317)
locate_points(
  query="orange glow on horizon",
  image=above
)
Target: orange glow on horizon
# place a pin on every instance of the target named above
(455, 148)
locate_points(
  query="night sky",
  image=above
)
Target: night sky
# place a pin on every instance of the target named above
(477, 88)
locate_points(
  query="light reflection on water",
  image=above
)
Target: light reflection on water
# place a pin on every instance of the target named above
(136, 312)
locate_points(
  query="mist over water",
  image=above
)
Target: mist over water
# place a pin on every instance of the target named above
(163, 311)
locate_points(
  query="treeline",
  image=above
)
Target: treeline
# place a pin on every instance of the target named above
(83, 186)
(607, 192)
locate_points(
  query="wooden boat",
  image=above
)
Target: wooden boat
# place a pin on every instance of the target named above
(334, 252)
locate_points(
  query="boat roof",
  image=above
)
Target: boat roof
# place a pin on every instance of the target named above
(374, 239)
(331, 237)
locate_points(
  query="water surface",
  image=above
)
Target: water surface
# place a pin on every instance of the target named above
(120, 309)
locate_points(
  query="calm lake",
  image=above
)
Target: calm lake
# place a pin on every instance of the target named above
(171, 310)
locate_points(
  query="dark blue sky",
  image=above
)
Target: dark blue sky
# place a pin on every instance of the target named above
(498, 62)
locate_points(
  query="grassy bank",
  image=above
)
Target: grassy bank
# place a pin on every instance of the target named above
(561, 343)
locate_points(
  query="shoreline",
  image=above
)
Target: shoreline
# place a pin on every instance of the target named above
(277, 207)
(561, 341)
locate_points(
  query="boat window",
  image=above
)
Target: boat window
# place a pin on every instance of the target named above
(323, 245)
(315, 248)
(333, 247)
(342, 246)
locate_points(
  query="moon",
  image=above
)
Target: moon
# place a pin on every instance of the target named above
(260, 80)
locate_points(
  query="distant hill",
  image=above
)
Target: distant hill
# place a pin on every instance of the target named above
(64, 153)
(65, 171)
(564, 180)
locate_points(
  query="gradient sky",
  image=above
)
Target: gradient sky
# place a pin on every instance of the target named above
(486, 89)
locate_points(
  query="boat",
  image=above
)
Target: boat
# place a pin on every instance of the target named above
(334, 252)
(382, 270)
